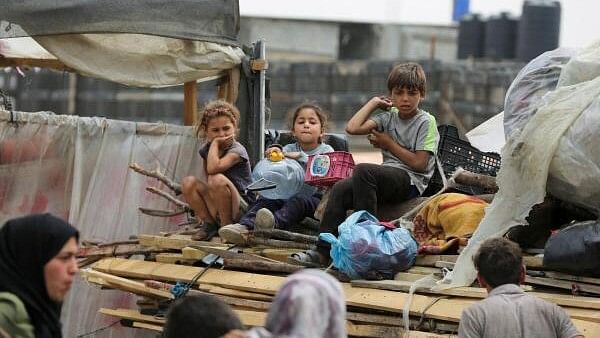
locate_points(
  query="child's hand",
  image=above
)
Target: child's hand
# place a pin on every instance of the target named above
(380, 140)
(381, 102)
(270, 150)
(274, 154)
(224, 142)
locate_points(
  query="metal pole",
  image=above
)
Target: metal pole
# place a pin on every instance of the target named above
(262, 76)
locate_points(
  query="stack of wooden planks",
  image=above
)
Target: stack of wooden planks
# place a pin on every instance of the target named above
(252, 276)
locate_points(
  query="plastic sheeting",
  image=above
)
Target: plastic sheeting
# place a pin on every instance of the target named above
(533, 81)
(154, 61)
(488, 136)
(556, 148)
(23, 48)
(202, 20)
(77, 168)
(145, 43)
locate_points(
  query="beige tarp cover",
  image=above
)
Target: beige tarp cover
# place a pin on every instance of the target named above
(154, 62)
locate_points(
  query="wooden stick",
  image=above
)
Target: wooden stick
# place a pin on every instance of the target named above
(176, 187)
(168, 197)
(161, 213)
(280, 244)
(260, 265)
(177, 242)
(486, 182)
(286, 235)
(190, 103)
(117, 250)
(226, 254)
(128, 241)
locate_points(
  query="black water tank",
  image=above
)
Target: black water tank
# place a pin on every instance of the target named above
(539, 28)
(471, 35)
(501, 36)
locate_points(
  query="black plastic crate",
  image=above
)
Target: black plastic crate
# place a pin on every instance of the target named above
(453, 153)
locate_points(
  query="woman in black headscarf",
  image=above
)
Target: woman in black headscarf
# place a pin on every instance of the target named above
(37, 266)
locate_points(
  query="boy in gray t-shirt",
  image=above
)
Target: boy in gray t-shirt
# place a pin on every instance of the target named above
(508, 311)
(408, 139)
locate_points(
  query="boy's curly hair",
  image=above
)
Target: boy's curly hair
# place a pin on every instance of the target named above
(214, 109)
(321, 114)
(410, 75)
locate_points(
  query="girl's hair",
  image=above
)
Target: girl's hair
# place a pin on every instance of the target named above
(215, 109)
(321, 114)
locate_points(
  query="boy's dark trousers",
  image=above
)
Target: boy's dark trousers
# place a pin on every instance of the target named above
(369, 185)
(286, 212)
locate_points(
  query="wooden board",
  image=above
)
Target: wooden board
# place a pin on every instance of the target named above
(281, 255)
(151, 327)
(561, 284)
(217, 290)
(564, 276)
(191, 253)
(430, 260)
(174, 258)
(532, 262)
(133, 315)
(443, 309)
(423, 270)
(407, 277)
(236, 255)
(115, 250)
(479, 293)
(257, 318)
(124, 284)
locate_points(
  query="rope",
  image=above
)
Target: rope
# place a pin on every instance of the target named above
(425, 281)
(181, 289)
(98, 330)
(427, 308)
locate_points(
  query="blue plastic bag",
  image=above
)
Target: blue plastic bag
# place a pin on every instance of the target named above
(288, 176)
(365, 246)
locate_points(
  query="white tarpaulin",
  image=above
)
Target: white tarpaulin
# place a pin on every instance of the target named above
(556, 151)
(77, 168)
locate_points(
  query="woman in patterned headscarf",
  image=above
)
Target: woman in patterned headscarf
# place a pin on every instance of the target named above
(37, 266)
(310, 304)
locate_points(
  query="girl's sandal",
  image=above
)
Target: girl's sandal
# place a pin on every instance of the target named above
(205, 232)
(308, 258)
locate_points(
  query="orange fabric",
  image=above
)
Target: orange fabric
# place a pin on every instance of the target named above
(446, 218)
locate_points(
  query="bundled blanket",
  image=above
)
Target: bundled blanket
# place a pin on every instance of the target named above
(447, 221)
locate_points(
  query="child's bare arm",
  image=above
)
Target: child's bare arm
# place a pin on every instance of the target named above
(294, 155)
(417, 160)
(360, 124)
(215, 164)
